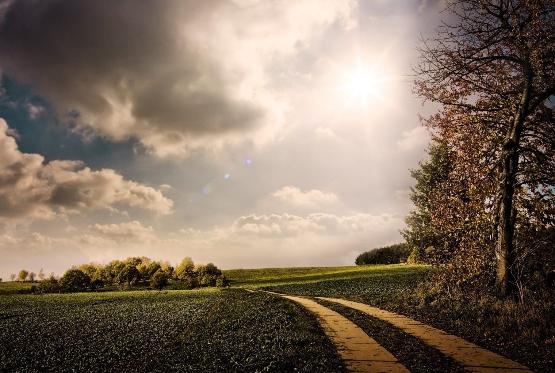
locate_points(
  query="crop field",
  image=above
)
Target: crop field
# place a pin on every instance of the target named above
(216, 331)
(374, 285)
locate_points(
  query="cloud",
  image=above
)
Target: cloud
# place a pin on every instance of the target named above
(29, 187)
(319, 223)
(177, 75)
(249, 241)
(414, 139)
(123, 232)
(313, 197)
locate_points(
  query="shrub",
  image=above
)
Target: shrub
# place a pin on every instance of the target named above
(222, 281)
(50, 285)
(75, 280)
(159, 279)
(385, 255)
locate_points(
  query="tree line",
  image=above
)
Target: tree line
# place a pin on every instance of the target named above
(126, 274)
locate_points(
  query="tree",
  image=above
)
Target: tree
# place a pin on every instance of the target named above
(12, 277)
(74, 280)
(41, 275)
(425, 236)
(31, 276)
(159, 279)
(128, 276)
(491, 69)
(22, 276)
(185, 269)
(385, 255)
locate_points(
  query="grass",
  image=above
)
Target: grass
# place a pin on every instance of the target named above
(200, 330)
(233, 330)
(15, 287)
(264, 277)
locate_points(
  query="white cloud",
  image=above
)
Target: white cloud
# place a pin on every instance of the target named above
(249, 241)
(125, 232)
(29, 187)
(313, 197)
(414, 139)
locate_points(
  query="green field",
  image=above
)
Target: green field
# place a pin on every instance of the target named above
(236, 330)
(14, 287)
(255, 278)
(193, 331)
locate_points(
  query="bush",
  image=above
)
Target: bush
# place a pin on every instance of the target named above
(222, 281)
(159, 279)
(50, 285)
(75, 280)
(397, 253)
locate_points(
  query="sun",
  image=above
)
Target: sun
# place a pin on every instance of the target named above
(360, 84)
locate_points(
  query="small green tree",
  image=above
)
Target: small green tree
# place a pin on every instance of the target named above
(75, 280)
(31, 276)
(12, 277)
(159, 279)
(22, 276)
(423, 234)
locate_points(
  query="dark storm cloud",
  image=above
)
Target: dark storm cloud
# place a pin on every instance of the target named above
(127, 67)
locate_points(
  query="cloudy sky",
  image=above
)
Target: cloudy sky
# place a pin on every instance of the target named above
(247, 133)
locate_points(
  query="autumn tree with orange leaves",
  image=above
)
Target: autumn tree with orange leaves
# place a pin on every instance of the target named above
(491, 68)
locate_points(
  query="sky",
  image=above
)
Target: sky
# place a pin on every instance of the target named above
(245, 133)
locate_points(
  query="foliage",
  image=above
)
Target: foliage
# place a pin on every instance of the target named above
(159, 279)
(49, 285)
(188, 331)
(75, 280)
(490, 70)
(128, 276)
(397, 253)
(139, 272)
(427, 238)
(22, 276)
(185, 269)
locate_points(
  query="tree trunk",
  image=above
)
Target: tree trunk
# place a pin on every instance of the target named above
(504, 249)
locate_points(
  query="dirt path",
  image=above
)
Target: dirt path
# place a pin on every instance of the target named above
(359, 352)
(471, 356)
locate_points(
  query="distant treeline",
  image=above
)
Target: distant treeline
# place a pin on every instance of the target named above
(398, 253)
(132, 272)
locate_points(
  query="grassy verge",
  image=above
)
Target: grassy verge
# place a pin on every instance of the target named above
(207, 330)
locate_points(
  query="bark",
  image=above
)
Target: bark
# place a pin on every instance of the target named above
(505, 249)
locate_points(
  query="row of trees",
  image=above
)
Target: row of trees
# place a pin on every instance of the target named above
(398, 253)
(485, 199)
(25, 275)
(134, 271)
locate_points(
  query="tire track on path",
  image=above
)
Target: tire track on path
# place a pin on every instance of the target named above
(359, 352)
(472, 357)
